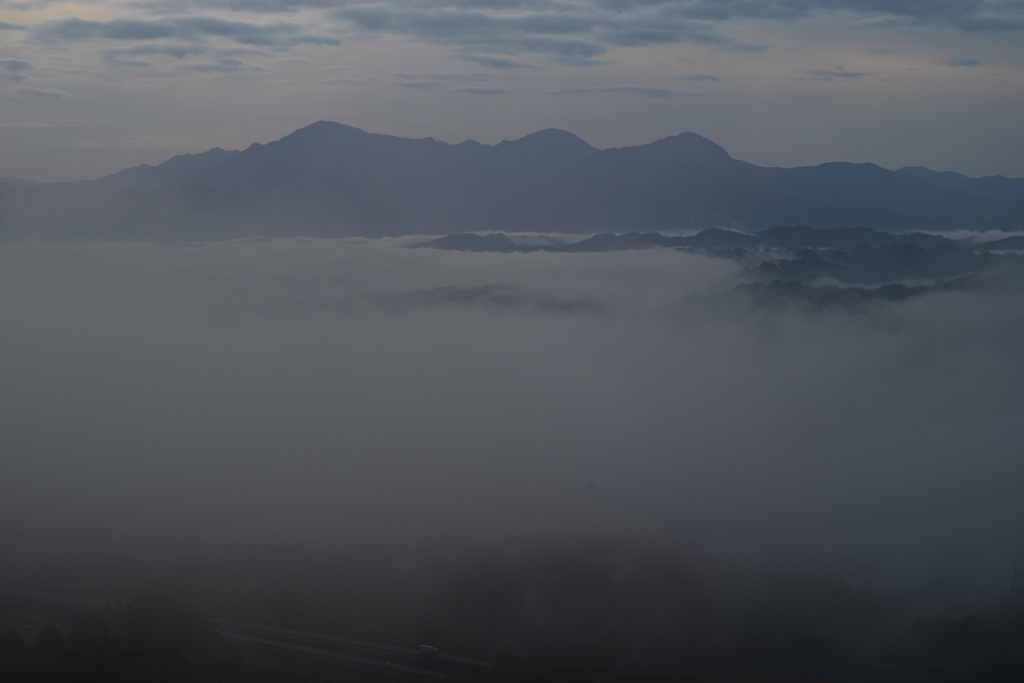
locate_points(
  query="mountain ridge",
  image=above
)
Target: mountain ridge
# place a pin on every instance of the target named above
(175, 171)
(332, 179)
(992, 186)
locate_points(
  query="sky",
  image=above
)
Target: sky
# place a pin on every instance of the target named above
(88, 88)
(353, 398)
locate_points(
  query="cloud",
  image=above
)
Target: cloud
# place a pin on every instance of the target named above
(576, 33)
(662, 26)
(698, 78)
(46, 93)
(624, 90)
(11, 69)
(740, 46)
(342, 80)
(28, 5)
(968, 15)
(837, 74)
(430, 81)
(492, 34)
(557, 33)
(13, 65)
(964, 61)
(446, 23)
(471, 77)
(224, 65)
(564, 49)
(963, 14)
(975, 24)
(356, 399)
(259, 6)
(537, 33)
(279, 34)
(482, 91)
(421, 85)
(570, 31)
(124, 56)
(263, 6)
(496, 62)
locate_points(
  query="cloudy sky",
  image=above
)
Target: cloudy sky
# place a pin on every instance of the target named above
(87, 88)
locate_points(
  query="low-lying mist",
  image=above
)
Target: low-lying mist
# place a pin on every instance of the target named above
(175, 407)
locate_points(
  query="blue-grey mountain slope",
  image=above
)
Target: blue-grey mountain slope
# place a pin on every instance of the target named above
(688, 182)
(183, 169)
(993, 186)
(339, 179)
(328, 179)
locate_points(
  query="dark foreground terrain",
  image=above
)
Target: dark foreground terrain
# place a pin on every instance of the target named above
(587, 615)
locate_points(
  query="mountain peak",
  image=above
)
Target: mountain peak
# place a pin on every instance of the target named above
(335, 179)
(692, 145)
(178, 170)
(210, 157)
(323, 128)
(549, 138)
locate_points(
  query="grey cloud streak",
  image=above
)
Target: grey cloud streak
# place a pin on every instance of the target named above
(482, 91)
(344, 80)
(124, 56)
(279, 34)
(457, 77)
(625, 90)
(541, 31)
(699, 77)
(837, 74)
(964, 61)
(224, 65)
(628, 22)
(261, 6)
(46, 93)
(11, 69)
(957, 12)
(493, 34)
(496, 62)
(354, 398)
(634, 24)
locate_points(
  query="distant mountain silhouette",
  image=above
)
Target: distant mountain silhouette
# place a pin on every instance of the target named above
(329, 179)
(792, 253)
(344, 180)
(802, 236)
(1015, 243)
(784, 237)
(179, 170)
(993, 186)
(10, 180)
(871, 188)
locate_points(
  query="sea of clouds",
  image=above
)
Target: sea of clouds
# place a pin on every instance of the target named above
(200, 403)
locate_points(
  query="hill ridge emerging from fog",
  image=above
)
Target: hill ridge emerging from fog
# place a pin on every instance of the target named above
(329, 179)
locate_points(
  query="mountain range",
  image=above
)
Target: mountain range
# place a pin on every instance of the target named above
(329, 179)
(779, 237)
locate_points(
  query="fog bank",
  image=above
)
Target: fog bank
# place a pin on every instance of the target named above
(355, 398)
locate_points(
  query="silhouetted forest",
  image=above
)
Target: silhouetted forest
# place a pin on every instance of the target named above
(582, 615)
(149, 638)
(858, 256)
